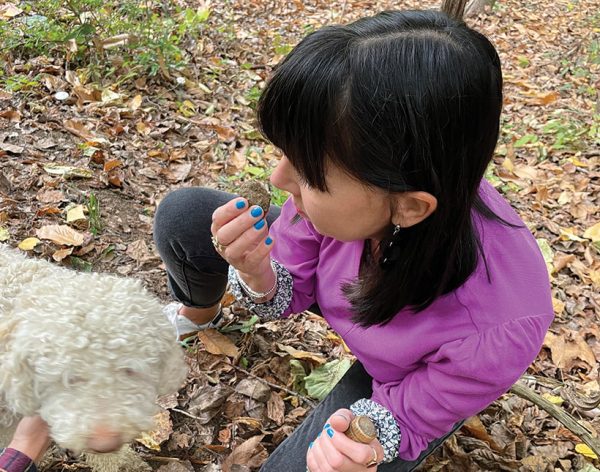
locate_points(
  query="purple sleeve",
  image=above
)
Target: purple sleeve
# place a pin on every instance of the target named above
(459, 380)
(12, 460)
(297, 248)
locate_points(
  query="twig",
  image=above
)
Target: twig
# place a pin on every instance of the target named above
(279, 387)
(568, 420)
(186, 413)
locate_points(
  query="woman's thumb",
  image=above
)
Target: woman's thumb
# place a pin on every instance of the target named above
(340, 420)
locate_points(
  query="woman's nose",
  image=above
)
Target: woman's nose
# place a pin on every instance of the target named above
(283, 177)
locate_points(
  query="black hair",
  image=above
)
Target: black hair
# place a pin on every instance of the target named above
(403, 101)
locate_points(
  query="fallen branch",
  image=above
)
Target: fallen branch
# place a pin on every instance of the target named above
(568, 420)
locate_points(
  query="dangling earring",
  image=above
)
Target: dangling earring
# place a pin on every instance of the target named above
(386, 256)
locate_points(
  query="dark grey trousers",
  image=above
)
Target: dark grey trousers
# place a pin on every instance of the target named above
(197, 276)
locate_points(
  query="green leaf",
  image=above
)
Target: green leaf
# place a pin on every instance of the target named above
(546, 250)
(298, 375)
(81, 265)
(322, 380)
(527, 139)
(203, 14)
(244, 327)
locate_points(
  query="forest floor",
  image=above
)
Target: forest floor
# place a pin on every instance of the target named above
(122, 147)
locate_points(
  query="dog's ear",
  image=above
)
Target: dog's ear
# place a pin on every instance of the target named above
(17, 385)
(173, 370)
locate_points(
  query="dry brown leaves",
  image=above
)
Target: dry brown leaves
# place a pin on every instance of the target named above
(130, 146)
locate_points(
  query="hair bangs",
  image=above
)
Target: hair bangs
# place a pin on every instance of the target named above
(298, 110)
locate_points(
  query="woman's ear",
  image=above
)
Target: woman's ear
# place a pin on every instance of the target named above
(412, 207)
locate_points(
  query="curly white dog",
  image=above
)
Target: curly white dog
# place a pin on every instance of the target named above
(88, 352)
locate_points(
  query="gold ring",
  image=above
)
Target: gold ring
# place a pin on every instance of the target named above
(218, 246)
(373, 462)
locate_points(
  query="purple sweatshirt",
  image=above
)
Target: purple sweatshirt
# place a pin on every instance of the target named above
(450, 361)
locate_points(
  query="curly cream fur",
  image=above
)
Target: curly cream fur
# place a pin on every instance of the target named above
(83, 350)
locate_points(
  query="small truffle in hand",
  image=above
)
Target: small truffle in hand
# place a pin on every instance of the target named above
(256, 193)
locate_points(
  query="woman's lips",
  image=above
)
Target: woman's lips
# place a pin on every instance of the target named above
(299, 211)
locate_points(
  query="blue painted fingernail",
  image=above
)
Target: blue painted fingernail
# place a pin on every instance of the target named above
(330, 433)
(327, 425)
(256, 211)
(259, 224)
(319, 435)
(268, 241)
(311, 444)
(240, 204)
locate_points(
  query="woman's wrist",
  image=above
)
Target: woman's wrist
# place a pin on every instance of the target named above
(260, 286)
(33, 447)
(32, 437)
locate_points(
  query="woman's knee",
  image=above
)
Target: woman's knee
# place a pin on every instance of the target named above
(185, 214)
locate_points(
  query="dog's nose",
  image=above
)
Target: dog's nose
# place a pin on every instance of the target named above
(104, 440)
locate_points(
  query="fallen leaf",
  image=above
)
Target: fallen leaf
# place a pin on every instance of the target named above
(11, 115)
(322, 379)
(115, 41)
(44, 144)
(68, 171)
(4, 234)
(111, 98)
(50, 196)
(139, 251)
(79, 129)
(477, 429)
(61, 254)
(569, 349)
(161, 432)
(554, 399)
(8, 11)
(558, 306)
(547, 253)
(61, 234)
(11, 148)
(217, 343)
(297, 354)
(28, 244)
(254, 388)
(116, 177)
(238, 160)
(136, 102)
(143, 128)
(585, 450)
(593, 233)
(187, 108)
(86, 95)
(177, 172)
(245, 454)
(75, 213)
(110, 165)
(276, 409)
(544, 98)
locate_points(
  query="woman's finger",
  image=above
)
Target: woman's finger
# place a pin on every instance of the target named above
(316, 460)
(336, 459)
(357, 452)
(228, 232)
(225, 213)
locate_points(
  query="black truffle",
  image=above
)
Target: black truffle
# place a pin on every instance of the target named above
(256, 193)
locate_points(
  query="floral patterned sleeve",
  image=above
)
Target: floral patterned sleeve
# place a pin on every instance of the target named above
(273, 308)
(388, 431)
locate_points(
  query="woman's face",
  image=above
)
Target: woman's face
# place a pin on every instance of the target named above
(349, 211)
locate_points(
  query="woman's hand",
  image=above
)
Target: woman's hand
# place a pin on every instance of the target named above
(333, 451)
(32, 437)
(241, 237)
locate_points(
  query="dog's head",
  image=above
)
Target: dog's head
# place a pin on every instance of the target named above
(90, 353)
